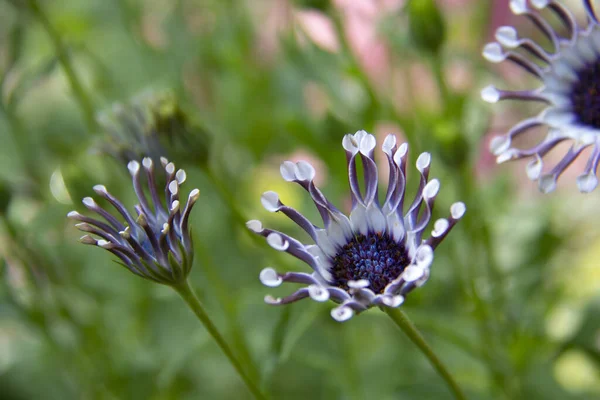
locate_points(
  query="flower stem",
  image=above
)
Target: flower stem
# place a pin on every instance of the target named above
(64, 60)
(186, 292)
(402, 321)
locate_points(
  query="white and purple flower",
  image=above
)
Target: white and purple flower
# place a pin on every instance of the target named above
(156, 244)
(570, 75)
(374, 257)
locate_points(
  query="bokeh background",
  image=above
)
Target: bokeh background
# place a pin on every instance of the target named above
(228, 90)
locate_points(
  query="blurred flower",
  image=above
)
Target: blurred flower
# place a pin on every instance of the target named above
(143, 126)
(372, 258)
(319, 28)
(570, 77)
(361, 22)
(157, 244)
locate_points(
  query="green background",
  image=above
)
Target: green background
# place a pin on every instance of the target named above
(229, 90)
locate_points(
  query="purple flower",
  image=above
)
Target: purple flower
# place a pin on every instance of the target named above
(374, 257)
(155, 244)
(570, 87)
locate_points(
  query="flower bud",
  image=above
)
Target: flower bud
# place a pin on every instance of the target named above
(426, 25)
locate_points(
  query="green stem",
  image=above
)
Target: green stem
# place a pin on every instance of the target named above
(402, 321)
(63, 57)
(437, 67)
(186, 292)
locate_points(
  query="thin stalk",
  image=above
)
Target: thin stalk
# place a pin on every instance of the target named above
(63, 57)
(437, 67)
(186, 292)
(402, 321)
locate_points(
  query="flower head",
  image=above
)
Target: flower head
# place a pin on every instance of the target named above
(570, 77)
(375, 256)
(156, 244)
(149, 124)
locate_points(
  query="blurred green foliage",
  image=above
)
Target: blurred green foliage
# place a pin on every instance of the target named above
(512, 304)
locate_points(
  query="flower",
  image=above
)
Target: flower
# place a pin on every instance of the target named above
(149, 124)
(375, 256)
(570, 76)
(156, 245)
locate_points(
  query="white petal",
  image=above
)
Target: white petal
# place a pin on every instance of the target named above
(518, 7)
(423, 161)
(412, 273)
(401, 153)
(305, 171)
(359, 135)
(490, 94)
(193, 196)
(499, 145)
(360, 284)
(392, 301)
(288, 171)
(367, 144)
(411, 244)
(395, 227)
(375, 218)
(493, 52)
(547, 183)
(555, 84)
(587, 136)
(440, 227)
(342, 313)
(424, 256)
(88, 202)
(270, 201)
(573, 58)
(100, 189)
(431, 189)
(133, 167)
(557, 99)
(540, 4)
(585, 48)
(318, 293)
(170, 168)
(564, 70)
(277, 242)
(269, 277)
(272, 300)
(147, 162)
(508, 155)
(458, 209)
(507, 36)
(388, 144)
(534, 168)
(350, 144)
(173, 187)
(181, 176)
(587, 182)
(254, 225)
(358, 219)
(325, 244)
(595, 38)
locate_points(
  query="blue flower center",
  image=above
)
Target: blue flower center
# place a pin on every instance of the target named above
(585, 95)
(376, 257)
